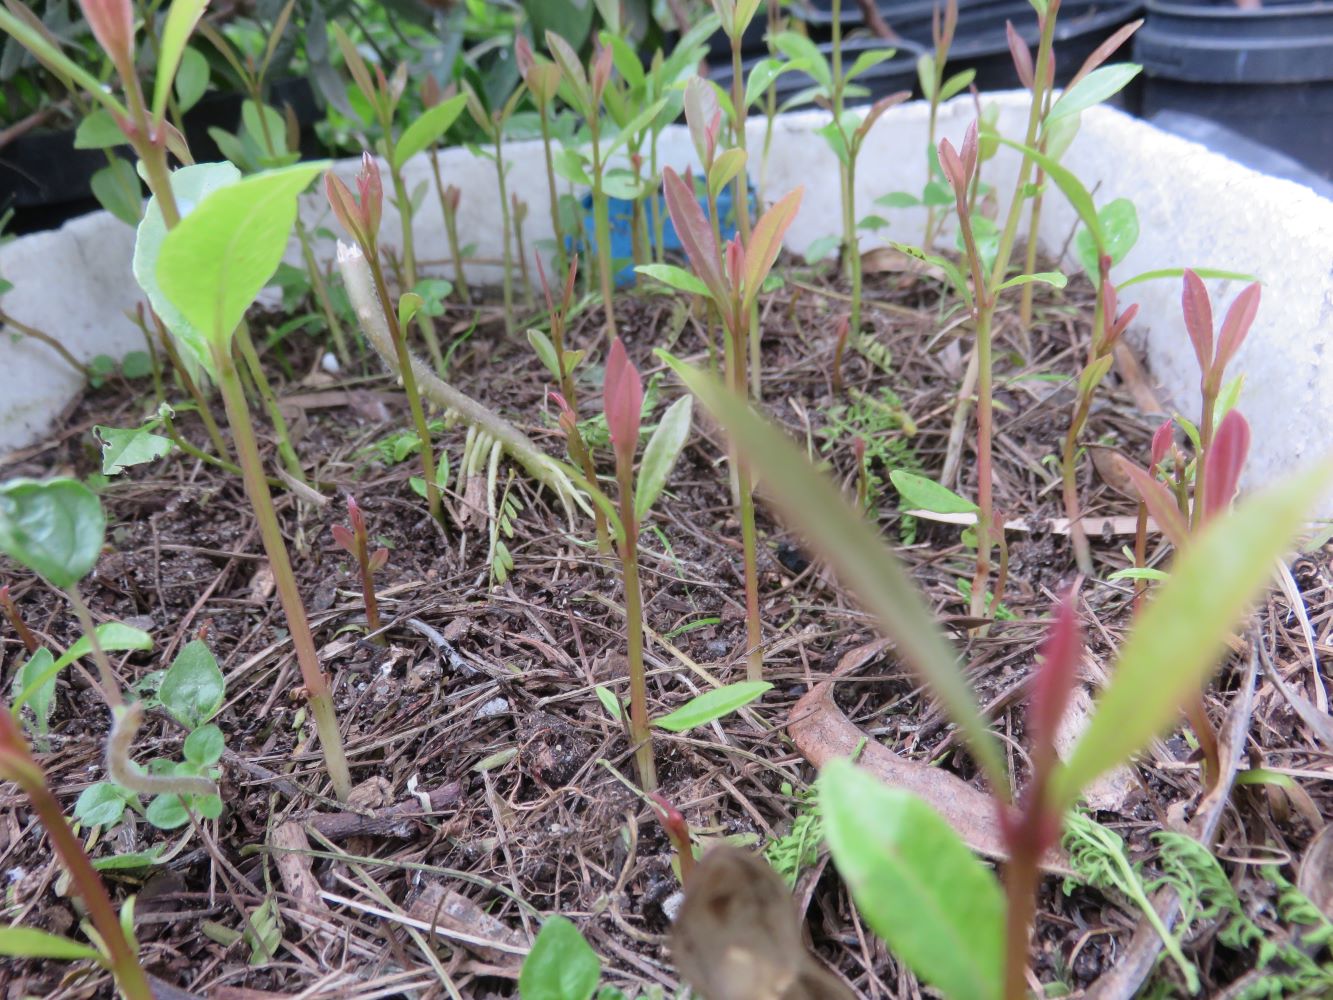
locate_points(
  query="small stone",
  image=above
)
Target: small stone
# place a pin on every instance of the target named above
(492, 708)
(330, 363)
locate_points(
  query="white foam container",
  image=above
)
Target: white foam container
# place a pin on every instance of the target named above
(1195, 208)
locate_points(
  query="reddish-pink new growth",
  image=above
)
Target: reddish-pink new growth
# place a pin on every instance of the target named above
(112, 22)
(1198, 319)
(1223, 463)
(1162, 439)
(622, 401)
(1235, 328)
(1021, 55)
(1054, 680)
(696, 235)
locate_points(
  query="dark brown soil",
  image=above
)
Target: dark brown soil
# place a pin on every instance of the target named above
(484, 695)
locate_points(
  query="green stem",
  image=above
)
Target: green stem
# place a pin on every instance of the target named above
(105, 675)
(410, 267)
(275, 547)
(853, 248)
(562, 262)
(639, 730)
(321, 290)
(450, 228)
(506, 222)
(601, 212)
(256, 370)
(741, 189)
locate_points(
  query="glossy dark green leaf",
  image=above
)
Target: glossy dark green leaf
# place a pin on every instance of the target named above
(54, 527)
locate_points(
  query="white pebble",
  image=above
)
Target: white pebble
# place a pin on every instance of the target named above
(330, 363)
(492, 708)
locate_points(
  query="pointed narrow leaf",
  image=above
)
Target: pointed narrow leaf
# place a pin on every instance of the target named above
(704, 708)
(676, 277)
(1069, 185)
(1239, 319)
(1053, 278)
(176, 30)
(1178, 640)
(921, 493)
(725, 168)
(29, 942)
(766, 241)
(545, 350)
(864, 563)
(1094, 88)
(661, 452)
(1105, 50)
(1198, 310)
(1223, 463)
(696, 235)
(427, 129)
(1160, 503)
(957, 83)
(867, 59)
(917, 884)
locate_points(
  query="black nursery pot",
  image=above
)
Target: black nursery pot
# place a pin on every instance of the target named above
(1266, 73)
(980, 42)
(888, 77)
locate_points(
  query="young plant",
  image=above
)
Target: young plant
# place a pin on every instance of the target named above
(736, 16)
(542, 78)
(361, 218)
(198, 268)
(916, 883)
(355, 541)
(383, 95)
(448, 194)
(492, 122)
(733, 284)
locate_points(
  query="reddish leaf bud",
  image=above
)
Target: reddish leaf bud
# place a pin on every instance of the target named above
(572, 274)
(344, 206)
(523, 55)
(112, 22)
(859, 450)
(1054, 680)
(342, 536)
(453, 196)
(735, 260)
(1018, 49)
(378, 560)
(1235, 327)
(1161, 442)
(1198, 319)
(969, 152)
(431, 94)
(601, 71)
(355, 517)
(952, 166)
(622, 401)
(372, 194)
(1223, 463)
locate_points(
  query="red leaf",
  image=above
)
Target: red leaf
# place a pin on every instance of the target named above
(546, 285)
(696, 236)
(354, 515)
(570, 275)
(1021, 55)
(1160, 503)
(523, 55)
(622, 401)
(344, 538)
(1162, 439)
(1235, 328)
(112, 22)
(344, 206)
(372, 194)
(1222, 465)
(952, 166)
(1054, 679)
(1198, 319)
(969, 152)
(766, 240)
(700, 110)
(378, 560)
(1104, 51)
(601, 72)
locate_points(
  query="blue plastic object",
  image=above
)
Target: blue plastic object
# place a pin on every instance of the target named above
(622, 242)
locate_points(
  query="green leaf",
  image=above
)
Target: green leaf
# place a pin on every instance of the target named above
(193, 688)
(925, 74)
(799, 47)
(1177, 272)
(35, 684)
(761, 77)
(204, 746)
(263, 932)
(920, 493)
(898, 199)
(101, 804)
(1053, 278)
(704, 708)
(167, 812)
(1180, 636)
(116, 188)
(1093, 373)
(728, 164)
(916, 883)
(950, 269)
(29, 942)
(40, 683)
(126, 447)
(822, 247)
(561, 965)
(50, 56)
(130, 861)
(1069, 185)
(408, 305)
(54, 527)
(1097, 86)
(427, 129)
(190, 186)
(609, 702)
(191, 79)
(180, 22)
(676, 277)
(1139, 573)
(98, 131)
(864, 563)
(867, 59)
(545, 351)
(1119, 221)
(660, 454)
(223, 253)
(957, 83)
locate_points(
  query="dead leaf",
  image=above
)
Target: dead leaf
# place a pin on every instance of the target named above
(738, 936)
(292, 857)
(1111, 471)
(888, 260)
(262, 584)
(451, 911)
(371, 793)
(823, 733)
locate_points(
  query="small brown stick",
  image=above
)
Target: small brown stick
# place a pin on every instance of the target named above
(16, 619)
(396, 821)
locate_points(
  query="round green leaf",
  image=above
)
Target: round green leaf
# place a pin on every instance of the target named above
(54, 527)
(100, 804)
(205, 745)
(166, 812)
(561, 965)
(193, 688)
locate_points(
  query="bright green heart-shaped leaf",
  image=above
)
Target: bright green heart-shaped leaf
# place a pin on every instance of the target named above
(126, 447)
(29, 942)
(427, 129)
(190, 186)
(1097, 86)
(920, 493)
(222, 254)
(704, 708)
(865, 564)
(661, 452)
(1178, 639)
(561, 965)
(54, 527)
(193, 688)
(917, 884)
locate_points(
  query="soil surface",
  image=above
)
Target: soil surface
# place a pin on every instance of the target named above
(483, 699)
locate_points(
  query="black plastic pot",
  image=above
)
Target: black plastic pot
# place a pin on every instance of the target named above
(1265, 73)
(888, 77)
(980, 41)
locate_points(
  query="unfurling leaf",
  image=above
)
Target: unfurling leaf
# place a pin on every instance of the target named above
(622, 402)
(1224, 462)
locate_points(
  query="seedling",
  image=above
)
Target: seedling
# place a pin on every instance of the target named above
(542, 78)
(733, 284)
(361, 218)
(900, 859)
(492, 121)
(355, 541)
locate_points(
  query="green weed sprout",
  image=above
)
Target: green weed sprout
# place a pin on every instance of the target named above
(914, 880)
(733, 282)
(355, 541)
(361, 218)
(383, 95)
(200, 270)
